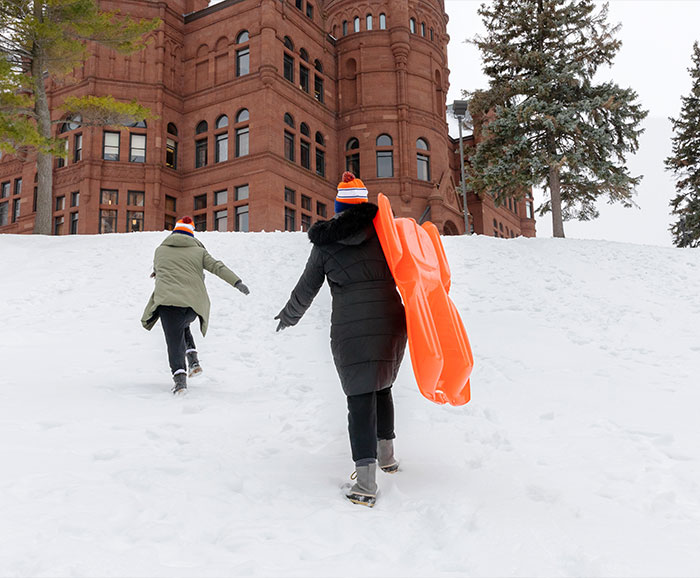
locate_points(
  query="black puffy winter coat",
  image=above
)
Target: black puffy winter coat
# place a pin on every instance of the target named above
(368, 322)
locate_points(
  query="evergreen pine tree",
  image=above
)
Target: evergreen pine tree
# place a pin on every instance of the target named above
(545, 122)
(685, 163)
(41, 41)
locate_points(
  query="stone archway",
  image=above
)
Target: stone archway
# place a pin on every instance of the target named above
(449, 228)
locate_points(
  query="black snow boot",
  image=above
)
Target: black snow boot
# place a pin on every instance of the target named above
(193, 363)
(180, 386)
(364, 490)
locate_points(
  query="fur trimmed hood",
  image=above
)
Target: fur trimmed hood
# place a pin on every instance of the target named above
(351, 227)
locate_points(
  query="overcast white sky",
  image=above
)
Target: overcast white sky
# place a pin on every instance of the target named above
(657, 39)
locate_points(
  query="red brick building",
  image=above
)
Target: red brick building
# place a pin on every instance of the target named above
(259, 106)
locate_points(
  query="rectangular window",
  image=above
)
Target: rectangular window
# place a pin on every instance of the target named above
(18, 187)
(108, 221)
(134, 221)
(242, 62)
(110, 146)
(242, 219)
(423, 167)
(62, 160)
(290, 219)
(310, 10)
(242, 142)
(288, 67)
(242, 192)
(4, 208)
(58, 225)
(290, 196)
(60, 203)
(320, 163)
(221, 152)
(288, 146)
(15, 210)
(305, 222)
(78, 148)
(352, 164)
(345, 27)
(5, 190)
(200, 153)
(75, 199)
(171, 153)
(528, 209)
(136, 198)
(220, 197)
(73, 223)
(385, 164)
(137, 148)
(34, 198)
(299, 4)
(170, 204)
(306, 203)
(200, 202)
(318, 88)
(170, 222)
(321, 209)
(305, 154)
(200, 222)
(303, 78)
(221, 220)
(109, 197)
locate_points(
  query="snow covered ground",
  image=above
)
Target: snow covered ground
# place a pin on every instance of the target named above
(579, 454)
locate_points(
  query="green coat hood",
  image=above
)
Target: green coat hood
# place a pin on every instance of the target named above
(179, 265)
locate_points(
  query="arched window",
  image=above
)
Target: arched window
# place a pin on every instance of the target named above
(318, 81)
(368, 22)
(345, 27)
(423, 160)
(382, 22)
(222, 121)
(72, 123)
(412, 25)
(138, 124)
(352, 156)
(288, 67)
(221, 140)
(305, 146)
(432, 35)
(385, 157)
(320, 155)
(289, 120)
(356, 24)
(242, 54)
(422, 29)
(242, 132)
(304, 55)
(243, 115)
(201, 146)
(171, 147)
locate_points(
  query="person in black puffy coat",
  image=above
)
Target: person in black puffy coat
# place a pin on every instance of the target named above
(368, 327)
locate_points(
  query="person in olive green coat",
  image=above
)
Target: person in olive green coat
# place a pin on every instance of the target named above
(180, 296)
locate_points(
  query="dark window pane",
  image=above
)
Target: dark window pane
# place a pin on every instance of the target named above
(74, 223)
(109, 197)
(75, 199)
(318, 88)
(385, 164)
(202, 127)
(4, 213)
(290, 219)
(200, 222)
(306, 203)
(288, 67)
(108, 221)
(305, 222)
(171, 153)
(58, 225)
(200, 154)
(321, 209)
(305, 153)
(200, 202)
(136, 198)
(352, 164)
(289, 146)
(304, 78)
(290, 196)
(170, 204)
(134, 221)
(320, 163)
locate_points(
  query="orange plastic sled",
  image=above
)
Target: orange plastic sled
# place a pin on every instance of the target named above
(440, 352)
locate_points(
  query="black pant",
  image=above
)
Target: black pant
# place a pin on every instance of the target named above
(178, 337)
(370, 417)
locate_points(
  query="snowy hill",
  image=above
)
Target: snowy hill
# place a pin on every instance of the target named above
(579, 454)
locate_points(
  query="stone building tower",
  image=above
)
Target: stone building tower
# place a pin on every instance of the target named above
(392, 81)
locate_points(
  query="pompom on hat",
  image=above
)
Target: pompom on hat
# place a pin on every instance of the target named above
(185, 226)
(351, 191)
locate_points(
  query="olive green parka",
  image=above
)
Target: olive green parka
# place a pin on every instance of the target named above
(179, 265)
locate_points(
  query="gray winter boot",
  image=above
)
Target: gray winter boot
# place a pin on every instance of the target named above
(180, 380)
(364, 490)
(385, 456)
(193, 363)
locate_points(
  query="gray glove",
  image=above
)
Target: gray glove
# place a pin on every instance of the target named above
(281, 325)
(242, 287)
